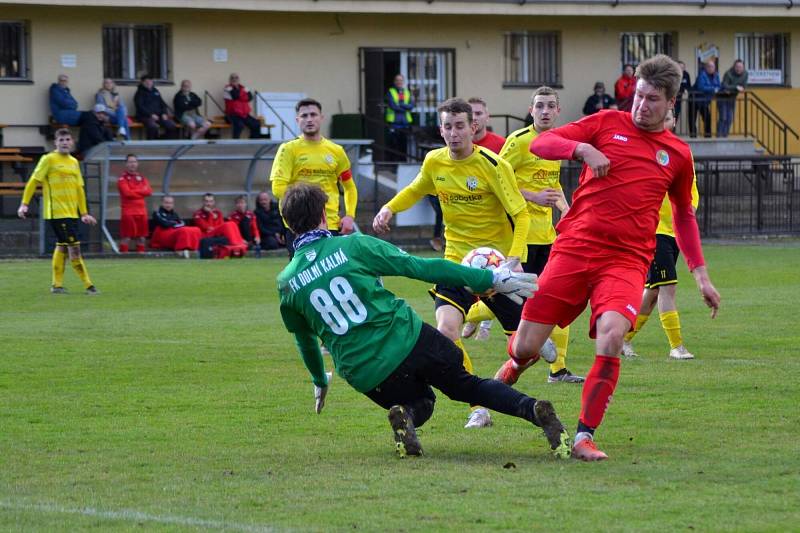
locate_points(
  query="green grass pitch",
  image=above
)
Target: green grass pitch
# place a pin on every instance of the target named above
(175, 401)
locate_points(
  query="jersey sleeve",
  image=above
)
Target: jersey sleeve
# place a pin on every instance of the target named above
(687, 234)
(506, 189)
(39, 176)
(388, 260)
(350, 197)
(343, 171)
(415, 191)
(560, 143)
(281, 173)
(307, 344)
(511, 153)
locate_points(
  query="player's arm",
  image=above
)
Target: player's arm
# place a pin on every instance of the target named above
(307, 344)
(574, 141)
(405, 199)
(36, 179)
(281, 171)
(83, 210)
(345, 174)
(147, 190)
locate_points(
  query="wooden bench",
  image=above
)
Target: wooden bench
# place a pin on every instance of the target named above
(13, 188)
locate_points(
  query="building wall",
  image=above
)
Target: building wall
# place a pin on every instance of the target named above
(318, 53)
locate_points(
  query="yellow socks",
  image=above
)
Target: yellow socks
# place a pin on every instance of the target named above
(80, 268)
(560, 338)
(467, 360)
(671, 323)
(59, 261)
(641, 320)
(479, 312)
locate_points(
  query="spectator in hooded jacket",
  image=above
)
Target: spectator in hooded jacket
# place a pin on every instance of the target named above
(152, 110)
(237, 108)
(117, 112)
(270, 223)
(63, 107)
(187, 111)
(624, 88)
(172, 233)
(94, 128)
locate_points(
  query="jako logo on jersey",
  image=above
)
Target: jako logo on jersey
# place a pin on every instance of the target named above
(311, 255)
(618, 137)
(631, 308)
(662, 157)
(472, 183)
(329, 158)
(439, 178)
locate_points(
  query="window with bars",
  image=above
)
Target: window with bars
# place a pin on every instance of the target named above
(637, 47)
(13, 51)
(532, 59)
(132, 50)
(764, 56)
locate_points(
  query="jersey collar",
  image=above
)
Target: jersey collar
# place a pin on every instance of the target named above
(311, 236)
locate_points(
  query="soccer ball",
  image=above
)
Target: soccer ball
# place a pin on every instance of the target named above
(484, 257)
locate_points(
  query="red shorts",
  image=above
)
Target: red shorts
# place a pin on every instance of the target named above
(570, 281)
(132, 226)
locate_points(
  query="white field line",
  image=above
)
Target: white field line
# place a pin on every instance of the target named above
(134, 516)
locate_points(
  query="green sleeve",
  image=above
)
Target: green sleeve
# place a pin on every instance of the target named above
(307, 345)
(388, 260)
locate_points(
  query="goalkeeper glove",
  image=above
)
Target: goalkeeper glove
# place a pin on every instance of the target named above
(516, 286)
(320, 393)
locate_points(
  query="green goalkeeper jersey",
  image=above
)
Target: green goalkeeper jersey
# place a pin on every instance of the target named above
(332, 289)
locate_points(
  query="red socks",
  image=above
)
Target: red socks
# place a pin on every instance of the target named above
(123, 248)
(518, 360)
(598, 389)
(140, 248)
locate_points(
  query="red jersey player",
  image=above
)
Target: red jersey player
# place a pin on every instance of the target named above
(213, 224)
(480, 117)
(246, 220)
(133, 189)
(607, 239)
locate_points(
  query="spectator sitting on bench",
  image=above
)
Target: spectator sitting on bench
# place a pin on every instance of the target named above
(152, 111)
(63, 106)
(117, 112)
(246, 220)
(94, 129)
(237, 109)
(187, 111)
(270, 223)
(172, 233)
(213, 224)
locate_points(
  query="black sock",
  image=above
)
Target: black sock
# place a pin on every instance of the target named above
(585, 429)
(559, 373)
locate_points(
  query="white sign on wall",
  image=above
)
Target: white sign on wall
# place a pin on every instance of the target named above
(69, 60)
(765, 77)
(278, 109)
(220, 55)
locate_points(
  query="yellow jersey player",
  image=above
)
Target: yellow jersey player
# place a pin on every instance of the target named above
(311, 158)
(64, 201)
(662, 280)
(480, 199)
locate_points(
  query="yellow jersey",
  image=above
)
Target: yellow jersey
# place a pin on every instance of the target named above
(322, 163)
(665, 213)
(62, 186)
(533, 174)
(477, 195)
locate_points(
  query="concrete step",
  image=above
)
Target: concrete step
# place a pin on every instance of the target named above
(738, 146)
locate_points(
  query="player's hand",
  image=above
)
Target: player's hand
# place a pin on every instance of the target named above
(22, 211)
(347, 225)
(88, 219)
(594, 159)
(320, 393)
(546, 197)
(381, 221)
(516, 286)
(710, 294)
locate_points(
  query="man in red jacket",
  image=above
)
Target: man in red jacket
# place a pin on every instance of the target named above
(480, 117)
(606, 241)
(237, 108)
(213, 224)
(133, 189)
(624, 88)
(246, 221)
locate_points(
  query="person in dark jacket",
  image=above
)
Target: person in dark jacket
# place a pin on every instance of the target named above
(706, 87)
(270, 224)
(94, 128)
(733, 82)
(63, 106)
(152, 111)
(685, 87)
(237, 108)
(187, 111)
(599, 100)
(172, 233)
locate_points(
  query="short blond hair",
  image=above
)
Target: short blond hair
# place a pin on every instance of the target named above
(662, 72)
(544, 90)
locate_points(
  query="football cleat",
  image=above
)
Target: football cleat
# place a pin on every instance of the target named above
(92, 290)
(680, 353)
(479, 418)
(627, 350)
(58, 290)
(557, 436)
(586, 450)
(548, 351)
(484, 330)
(405, 436)
(564, 376)
(469, 330)
(510, 372)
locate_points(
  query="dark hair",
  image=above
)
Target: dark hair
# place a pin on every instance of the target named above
(303, 206)
(63, 132)
(305, 102)
(240, 197)
(145, 77)
(599, 84)
(626, 65)
(662, 72)
(206, 195)
(129, 156)
(455, 105)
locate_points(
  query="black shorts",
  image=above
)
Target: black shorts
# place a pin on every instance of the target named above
(507, 312)
(538, 254)
(66, 230)
(662, 269)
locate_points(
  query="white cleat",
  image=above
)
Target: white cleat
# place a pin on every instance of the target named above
(627, 350)
(479, 418)
(548, 351)
(484, 331)
(680, 353)
(469, 330)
